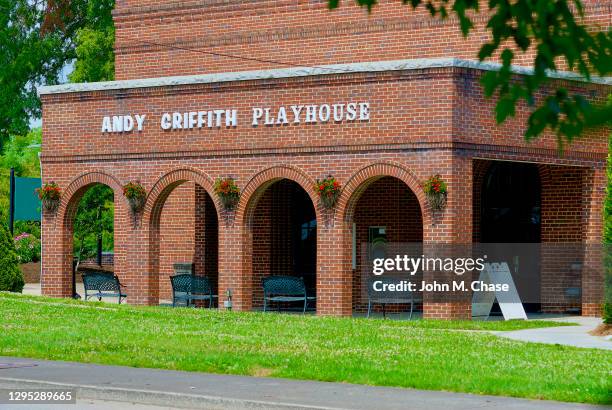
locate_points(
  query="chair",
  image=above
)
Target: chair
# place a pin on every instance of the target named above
(387, 297)
(285, 289)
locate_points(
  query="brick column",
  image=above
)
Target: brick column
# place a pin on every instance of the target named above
(55, 279)
(594, 185)
(334, 273)
(235, 269)
(453, 225)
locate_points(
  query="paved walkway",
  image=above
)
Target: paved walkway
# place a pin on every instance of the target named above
(577, 336)
(200, 390)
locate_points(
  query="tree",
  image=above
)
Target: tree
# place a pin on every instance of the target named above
(94, 219)
(21, 153)
(31, 54)
(39, 38)
(95, 57)
(549, 28)
(11, 277)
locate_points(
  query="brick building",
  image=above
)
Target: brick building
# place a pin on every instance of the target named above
(381, 102)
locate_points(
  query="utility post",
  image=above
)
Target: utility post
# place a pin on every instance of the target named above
(12, 201)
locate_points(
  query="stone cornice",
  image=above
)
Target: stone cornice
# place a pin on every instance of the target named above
(296, 72)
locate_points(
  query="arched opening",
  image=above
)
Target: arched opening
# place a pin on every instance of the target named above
(511, 216)
(385, 219)
(282, 226)
(184, 239)
(91, 224)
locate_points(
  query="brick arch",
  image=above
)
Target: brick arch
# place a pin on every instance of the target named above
(251, 194)
(165, 185)
(258, 184)
(66, 214)
(77, 188)
(151, 217)
(361, 180)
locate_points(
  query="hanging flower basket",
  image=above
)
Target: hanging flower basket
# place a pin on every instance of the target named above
(435, 190)
(329, 191)
(135, 194)
(50, 195)
(228, 192)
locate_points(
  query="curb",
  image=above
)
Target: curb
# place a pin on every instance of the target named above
(156, 398)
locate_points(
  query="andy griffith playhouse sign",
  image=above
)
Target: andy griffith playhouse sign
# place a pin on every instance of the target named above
(218, 118)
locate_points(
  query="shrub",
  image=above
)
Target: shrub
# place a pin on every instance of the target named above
(27, 247)
(607, 313)
(11, 278)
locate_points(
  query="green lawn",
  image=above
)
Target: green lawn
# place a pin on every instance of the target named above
(424, 354)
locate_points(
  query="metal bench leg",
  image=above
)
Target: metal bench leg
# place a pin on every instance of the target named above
(265, 303)
(305, 305)
(411, 308)
(369, 309)
(384, 312)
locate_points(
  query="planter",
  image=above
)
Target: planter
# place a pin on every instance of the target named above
(437, 201)
(136, 195)
(329, 201)
(50, 205)
(229, 201)
(228, 192)
(31, 272)
(329, 191)
(136, 203)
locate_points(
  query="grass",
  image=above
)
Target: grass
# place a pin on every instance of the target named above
(426, 354)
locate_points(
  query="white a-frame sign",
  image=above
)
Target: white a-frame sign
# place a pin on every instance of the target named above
(509, 301)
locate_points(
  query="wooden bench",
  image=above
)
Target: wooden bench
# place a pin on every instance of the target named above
(103, 285)
(188, 288)
(281, 289)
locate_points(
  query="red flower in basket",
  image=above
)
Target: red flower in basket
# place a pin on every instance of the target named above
(329, 191)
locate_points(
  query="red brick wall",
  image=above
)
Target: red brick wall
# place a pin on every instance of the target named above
(390, 203)
(188, 234)
(268, 33)
(177, 236)
(272, 234)
(423, 122)
(563, 204)
(562, 231)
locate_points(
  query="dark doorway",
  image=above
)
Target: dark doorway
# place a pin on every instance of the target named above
(511, 215)
(511, 203)
(284, 228)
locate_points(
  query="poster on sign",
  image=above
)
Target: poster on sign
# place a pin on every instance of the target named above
(509, 301)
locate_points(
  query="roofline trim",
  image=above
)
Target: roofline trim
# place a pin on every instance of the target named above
(296, 72)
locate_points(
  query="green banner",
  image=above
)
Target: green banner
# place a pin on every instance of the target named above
(27, 204)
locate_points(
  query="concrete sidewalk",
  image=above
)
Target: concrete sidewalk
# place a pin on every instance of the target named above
(208, 391)
(577, 336)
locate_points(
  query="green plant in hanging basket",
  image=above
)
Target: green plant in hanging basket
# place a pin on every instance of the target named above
(435, 190)
(228, 192)
(50, 195)
(136, 195)
(329, 191)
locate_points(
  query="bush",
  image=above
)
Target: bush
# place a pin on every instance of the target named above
(27, 247)
(11, 278)
(607, 314)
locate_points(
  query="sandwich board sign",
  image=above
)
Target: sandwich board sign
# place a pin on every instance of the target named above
(509, 301)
